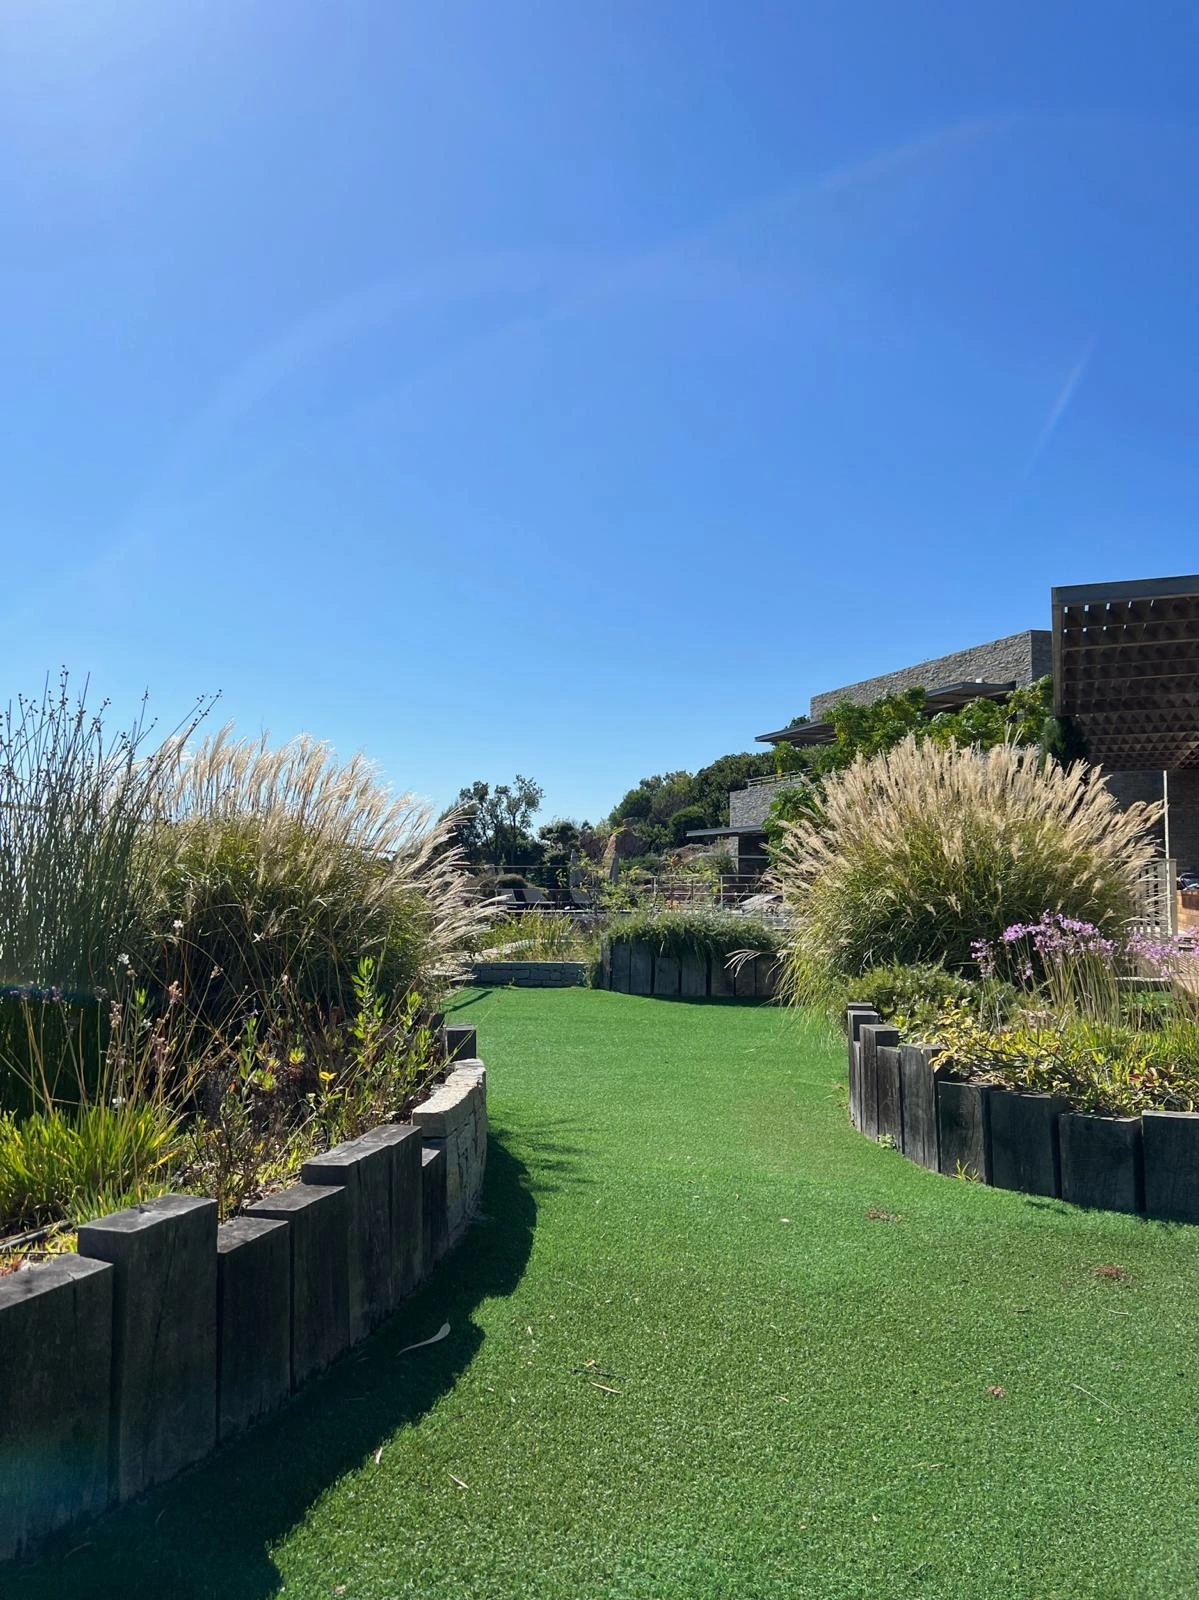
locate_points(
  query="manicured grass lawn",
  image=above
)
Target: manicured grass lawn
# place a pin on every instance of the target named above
(710, 1342)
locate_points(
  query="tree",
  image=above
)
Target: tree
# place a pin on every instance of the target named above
(495, 822)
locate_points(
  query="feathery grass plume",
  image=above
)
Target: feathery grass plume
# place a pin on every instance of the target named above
(925, 849)
(284, 866)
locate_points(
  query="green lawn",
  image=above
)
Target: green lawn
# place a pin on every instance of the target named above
(832, 1374)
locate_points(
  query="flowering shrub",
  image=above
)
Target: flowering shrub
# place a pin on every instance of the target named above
(1077, 969)
(1114, 1070)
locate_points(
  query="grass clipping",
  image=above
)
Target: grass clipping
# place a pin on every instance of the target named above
(925, 849)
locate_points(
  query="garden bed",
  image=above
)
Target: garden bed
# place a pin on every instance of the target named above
(167, 1334)
(1035, 1143)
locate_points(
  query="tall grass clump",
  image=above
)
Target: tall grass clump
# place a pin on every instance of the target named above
(925, 850)
(282, 866)
(75, 800)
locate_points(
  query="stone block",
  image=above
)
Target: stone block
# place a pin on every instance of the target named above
(449, 1106)
(403, 1142)
(720, 979)
(1024, 1143)
(890, 1094)
(919, 1090)
(666, 975)
(433, 1189)
(1102, 1161)
(872, 1036)
(253, 1321)
(693, 975)
(641, 969)
(56, 1357)
(460, 1042)
(318, 1235)
(963, 1128)
(1171, 1140)
(164, 1260)
(363, 1168)
(621, 977)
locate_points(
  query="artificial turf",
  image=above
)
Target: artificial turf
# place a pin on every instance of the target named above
(707, 1341)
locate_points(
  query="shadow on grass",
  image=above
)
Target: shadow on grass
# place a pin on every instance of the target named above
(209, 1533)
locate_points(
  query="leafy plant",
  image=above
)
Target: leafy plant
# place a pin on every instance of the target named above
(926, 849)
(62, 1165)
(910, 996)
(1116, 1070)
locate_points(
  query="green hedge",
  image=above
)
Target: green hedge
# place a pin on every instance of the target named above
(702, 930)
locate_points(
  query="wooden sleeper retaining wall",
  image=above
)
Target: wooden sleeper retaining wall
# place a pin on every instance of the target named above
(1029, 1142)
(165, 1334)
(637, 968)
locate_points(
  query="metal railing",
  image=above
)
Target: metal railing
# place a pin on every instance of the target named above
(1157, 894)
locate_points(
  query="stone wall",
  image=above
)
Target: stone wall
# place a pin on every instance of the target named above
(530, 974)
(749, 808)
(1021, 658)
(167, 1334)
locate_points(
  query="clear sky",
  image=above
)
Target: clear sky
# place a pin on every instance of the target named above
(572, 388)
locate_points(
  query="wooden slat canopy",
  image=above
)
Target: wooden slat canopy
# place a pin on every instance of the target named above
(1126, 667)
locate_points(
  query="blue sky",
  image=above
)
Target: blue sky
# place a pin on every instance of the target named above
(574, 389)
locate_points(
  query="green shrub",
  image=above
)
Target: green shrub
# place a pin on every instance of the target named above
(701, 929)
(899, 993)
(924, 850)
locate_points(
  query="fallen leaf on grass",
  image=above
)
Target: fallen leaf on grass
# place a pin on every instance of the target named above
(877, 1214)
(594, 1369)
(784, 1219)
(459, 1482)
(442, 1333)
(996, 1391)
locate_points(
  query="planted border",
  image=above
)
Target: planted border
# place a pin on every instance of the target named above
(166, 1333)
(1032, 1143)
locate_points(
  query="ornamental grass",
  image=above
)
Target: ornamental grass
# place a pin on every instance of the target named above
(923, 851)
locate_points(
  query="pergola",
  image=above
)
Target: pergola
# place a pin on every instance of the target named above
(1126, 668)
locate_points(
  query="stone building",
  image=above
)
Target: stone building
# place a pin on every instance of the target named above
(1125, 663)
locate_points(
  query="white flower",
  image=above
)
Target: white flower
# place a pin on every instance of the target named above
(177, 925)
(122, 961)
